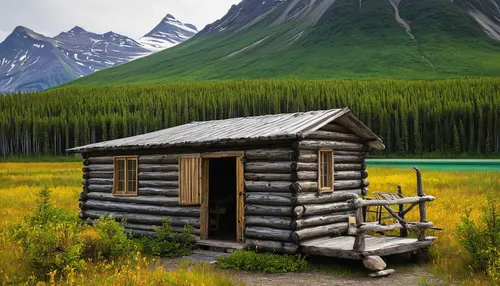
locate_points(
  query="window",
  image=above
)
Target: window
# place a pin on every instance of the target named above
(190, 181)
(125, 176)
(325, 168)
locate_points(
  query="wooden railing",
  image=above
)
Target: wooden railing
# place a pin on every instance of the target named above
(358, 227)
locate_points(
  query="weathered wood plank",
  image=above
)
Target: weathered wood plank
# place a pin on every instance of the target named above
(141, 218)
(162, 176)
(266, 233)
(147, 191)
(267, 186)
(318, 198)
(268, 200)
(335, 145)
(268, 177)
(91, 168)
(320, 220)
(335, 136)
(159, 159)
(145, 200)
(269, 167)
(269, 221)
(145, 209)
(335, 229)
(158, 168)
(158, 184)
(271, 155)
(268, 210)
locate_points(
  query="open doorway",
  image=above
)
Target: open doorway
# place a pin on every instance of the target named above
(222, 199)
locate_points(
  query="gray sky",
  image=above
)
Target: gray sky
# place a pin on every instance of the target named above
(132, 18)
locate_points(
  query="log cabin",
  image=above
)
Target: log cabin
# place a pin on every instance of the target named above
(286, 183)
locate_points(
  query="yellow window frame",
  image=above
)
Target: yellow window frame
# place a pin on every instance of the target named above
(125, 192)
(329, 185)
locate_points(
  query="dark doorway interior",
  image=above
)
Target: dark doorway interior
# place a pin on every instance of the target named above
(222, 199)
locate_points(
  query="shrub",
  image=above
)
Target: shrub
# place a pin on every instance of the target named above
(106, 239)
(168, 243)
(482, 240)
(49, 236)
(265, 262)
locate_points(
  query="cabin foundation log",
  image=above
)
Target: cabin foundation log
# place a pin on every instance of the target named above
(272, 246)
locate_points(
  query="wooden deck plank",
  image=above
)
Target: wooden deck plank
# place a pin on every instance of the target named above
(342, 247)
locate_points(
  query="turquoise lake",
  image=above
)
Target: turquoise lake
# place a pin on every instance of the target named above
(438, 164)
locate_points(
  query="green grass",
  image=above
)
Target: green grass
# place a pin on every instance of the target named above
(347, 42)
(41, 158)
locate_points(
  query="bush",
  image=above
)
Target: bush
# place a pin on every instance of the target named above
(106, 239)
(49, 236)
(482, 240)
(168, 243)
(265, 262)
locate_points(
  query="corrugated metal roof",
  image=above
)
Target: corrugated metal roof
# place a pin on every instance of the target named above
(235, 130)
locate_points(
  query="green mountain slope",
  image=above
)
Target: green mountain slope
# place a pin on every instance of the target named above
(422, 39)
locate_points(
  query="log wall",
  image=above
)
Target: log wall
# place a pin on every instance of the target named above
(326, 214)
(269, 199)
(158, 197)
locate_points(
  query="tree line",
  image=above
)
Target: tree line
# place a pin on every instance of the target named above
(412, 117)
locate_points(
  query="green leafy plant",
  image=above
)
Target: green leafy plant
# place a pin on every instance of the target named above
(107, 239)
(167, 242)
(49, 236)
(482, 240)
(264, 262)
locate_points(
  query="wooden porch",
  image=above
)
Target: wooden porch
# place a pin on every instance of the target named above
(342, 246)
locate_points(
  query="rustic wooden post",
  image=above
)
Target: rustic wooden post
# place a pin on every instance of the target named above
(421, 205)
(402, 232)
(359, 240)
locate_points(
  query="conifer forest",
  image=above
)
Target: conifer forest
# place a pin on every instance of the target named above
(444, 117)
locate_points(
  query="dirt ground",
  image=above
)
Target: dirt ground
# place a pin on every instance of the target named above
(407, 276)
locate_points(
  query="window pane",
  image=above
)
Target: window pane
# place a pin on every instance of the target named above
(121, 176)
(131, 176)
(326, 163)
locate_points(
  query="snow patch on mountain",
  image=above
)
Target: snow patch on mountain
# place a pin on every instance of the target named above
(168, 33)
(491, 28)
(406, 25)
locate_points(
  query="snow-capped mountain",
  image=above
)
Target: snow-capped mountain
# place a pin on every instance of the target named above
(32, 62)
(168, 33)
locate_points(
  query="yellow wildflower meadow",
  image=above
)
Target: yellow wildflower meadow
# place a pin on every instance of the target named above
(20, 182)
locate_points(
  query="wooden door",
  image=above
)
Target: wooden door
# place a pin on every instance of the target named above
(240, 200)
(204, 210)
